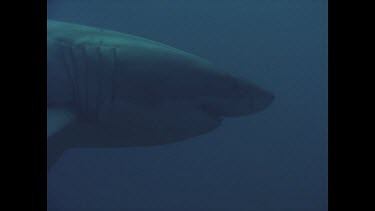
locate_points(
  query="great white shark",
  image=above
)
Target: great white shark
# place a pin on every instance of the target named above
(110, 89)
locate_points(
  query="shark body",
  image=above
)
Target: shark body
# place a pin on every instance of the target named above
(110, 89)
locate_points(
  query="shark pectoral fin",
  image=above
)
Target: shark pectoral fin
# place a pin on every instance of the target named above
(57, 120)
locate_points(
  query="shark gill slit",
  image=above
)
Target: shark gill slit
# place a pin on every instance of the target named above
(69, 72)
(85, 88)
(113, 76)
(99, 89)
(106, 83)
(81, 76)
(74, 69)
(87, 82)
(95, 84)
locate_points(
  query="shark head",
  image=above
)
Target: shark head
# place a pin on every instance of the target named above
(228, 96)
(160, 75)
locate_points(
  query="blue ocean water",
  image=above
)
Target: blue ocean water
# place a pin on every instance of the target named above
(273, 160)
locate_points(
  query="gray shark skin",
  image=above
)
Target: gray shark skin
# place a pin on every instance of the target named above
(109, 89)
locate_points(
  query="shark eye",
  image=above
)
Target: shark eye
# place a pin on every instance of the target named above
(236, 88)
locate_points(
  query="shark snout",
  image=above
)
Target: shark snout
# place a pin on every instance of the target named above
(262, 100)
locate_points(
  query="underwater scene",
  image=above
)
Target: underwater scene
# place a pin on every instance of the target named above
(165, 105)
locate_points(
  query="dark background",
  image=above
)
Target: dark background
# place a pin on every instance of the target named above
(274, 160)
